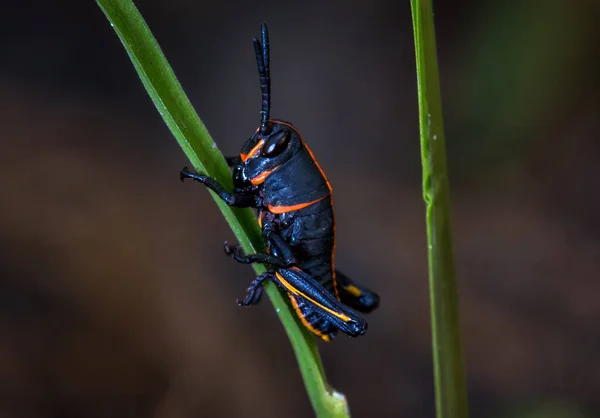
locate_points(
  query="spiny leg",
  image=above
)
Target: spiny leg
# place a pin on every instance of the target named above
(313, 319)
(232, 199)
(255, 289)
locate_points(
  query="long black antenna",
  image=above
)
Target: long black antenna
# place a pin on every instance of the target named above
(261, 48)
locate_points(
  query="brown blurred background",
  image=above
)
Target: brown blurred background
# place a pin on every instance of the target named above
(116, 299)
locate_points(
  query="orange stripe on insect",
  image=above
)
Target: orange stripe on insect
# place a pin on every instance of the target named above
(312, 329)
(253, 152)
(260, 219)
(296, 292)
(262, 176)
(336, 289)
(310, 152)
(285, 209)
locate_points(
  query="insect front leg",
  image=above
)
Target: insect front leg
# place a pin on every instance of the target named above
(232, 199)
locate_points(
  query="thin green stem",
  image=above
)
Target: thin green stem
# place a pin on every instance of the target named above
(173, 105)
(450, 384)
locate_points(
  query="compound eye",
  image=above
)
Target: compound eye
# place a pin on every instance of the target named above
(276, 144)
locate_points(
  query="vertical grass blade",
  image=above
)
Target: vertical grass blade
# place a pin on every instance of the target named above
(187, 128)
(449, 375)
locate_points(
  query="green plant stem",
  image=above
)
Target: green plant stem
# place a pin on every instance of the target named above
(179, 115)
(450, 384)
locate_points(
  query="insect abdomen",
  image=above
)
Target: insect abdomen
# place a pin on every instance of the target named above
(310, 231)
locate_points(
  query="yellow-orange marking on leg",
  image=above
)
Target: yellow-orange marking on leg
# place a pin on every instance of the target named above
(353, 290)
(312, 329)
(296, 292)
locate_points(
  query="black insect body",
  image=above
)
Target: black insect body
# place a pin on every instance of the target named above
(277, 174)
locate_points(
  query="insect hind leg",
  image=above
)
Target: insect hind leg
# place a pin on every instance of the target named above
(319, 302)
(312, 319)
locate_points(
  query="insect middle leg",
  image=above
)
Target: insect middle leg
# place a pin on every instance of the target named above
(236, 253)
(280, 254)
(281, 257)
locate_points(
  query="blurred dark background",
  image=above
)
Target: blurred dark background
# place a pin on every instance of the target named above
(116, 299)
